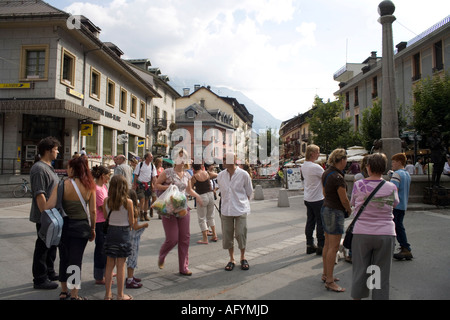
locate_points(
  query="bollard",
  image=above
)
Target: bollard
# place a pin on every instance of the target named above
(259, 195)
(283, 200)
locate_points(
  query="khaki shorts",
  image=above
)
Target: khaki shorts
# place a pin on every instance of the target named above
(234, 227)
(140, 192)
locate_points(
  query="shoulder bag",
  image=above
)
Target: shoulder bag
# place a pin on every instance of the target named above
(106, 223)
(52, 221)
(349, 233)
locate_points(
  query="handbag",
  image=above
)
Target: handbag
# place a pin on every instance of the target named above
(349, 232)
(52, 221)
(106, 223)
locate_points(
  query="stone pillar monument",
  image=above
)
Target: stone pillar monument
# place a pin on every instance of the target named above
(391, 143)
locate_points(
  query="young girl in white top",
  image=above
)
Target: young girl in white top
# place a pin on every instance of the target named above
(117, 244)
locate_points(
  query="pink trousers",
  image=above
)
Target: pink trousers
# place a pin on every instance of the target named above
(177, 231)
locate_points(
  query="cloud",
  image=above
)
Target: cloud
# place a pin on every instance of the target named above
(278, 52)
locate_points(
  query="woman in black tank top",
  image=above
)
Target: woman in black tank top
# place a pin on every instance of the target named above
(201, 180)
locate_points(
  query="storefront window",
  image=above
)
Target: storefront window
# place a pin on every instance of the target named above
(107, 142)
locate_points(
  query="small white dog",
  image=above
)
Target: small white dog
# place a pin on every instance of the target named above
(342, 252)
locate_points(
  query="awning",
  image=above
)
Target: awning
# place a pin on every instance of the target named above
(53, 108)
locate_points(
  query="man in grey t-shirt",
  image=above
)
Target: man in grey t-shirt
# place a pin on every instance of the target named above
(43, 180)
(124, 169)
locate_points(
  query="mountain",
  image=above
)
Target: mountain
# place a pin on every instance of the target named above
(262, 119)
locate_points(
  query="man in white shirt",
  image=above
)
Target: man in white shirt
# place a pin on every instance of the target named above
(236, 189)
(145, 173)
(313, 199)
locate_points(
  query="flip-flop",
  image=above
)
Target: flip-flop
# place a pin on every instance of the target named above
(125, 297)
(214, 239)
(245, 265)
(229, 266)
(202, 242)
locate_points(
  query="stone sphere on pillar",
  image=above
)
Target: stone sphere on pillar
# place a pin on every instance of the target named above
(386, 8)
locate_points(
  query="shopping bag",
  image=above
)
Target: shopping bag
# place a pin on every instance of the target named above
(171, 202)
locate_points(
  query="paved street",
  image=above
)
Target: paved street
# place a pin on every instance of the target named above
(279, 266)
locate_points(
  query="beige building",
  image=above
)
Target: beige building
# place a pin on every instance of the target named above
(295, 136)
(57, 78)
(161, 112)
(214, 112)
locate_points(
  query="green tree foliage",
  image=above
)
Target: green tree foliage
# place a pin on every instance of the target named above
(330, 131)
(371, 125)
(432, 105)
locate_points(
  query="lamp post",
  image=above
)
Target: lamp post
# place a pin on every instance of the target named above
(414, 136)
(391, 143)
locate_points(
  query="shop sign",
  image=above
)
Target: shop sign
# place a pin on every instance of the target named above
(15, 86)
(87, 129)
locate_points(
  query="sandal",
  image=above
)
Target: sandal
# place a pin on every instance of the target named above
(108, 298)
(202, 242)
(125, 297)
(324, 278)
(338, 289)
(244, 265)
(78, 298)
(214, 239)
(229, 266)
(64, 295)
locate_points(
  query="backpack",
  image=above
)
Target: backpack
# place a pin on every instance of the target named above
(52, 221)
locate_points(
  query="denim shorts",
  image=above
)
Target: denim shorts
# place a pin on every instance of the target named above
(332, 220)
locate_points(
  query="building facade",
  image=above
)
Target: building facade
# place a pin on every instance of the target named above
(219, 123)
(295, 136)
(424, 56)
(59, 79)
(161, 112)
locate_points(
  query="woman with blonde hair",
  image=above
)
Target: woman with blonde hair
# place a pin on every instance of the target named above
(177, 228)
(336, 208)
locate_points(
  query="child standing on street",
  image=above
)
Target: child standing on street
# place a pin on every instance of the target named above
(117, 246)
(136, 232)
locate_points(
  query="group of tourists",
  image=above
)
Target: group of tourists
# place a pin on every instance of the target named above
(112, 210)
(375, 230)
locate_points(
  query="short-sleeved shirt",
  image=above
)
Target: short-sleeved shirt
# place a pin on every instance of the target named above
(312, 175)
(402, 181)
(43, 180)
(181, 183)
(145, 172)
(333, 179)
(125, 170)
(377, 217)
(101, 193)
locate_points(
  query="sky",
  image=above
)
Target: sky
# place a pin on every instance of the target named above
(279, 53)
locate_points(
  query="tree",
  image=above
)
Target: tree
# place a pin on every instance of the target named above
(329, 131)
(371, 125)
(432, 105)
